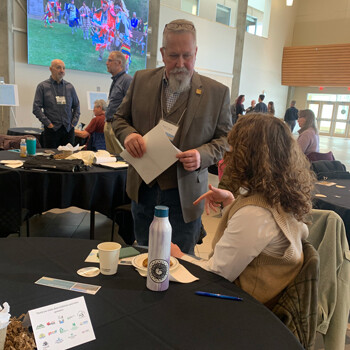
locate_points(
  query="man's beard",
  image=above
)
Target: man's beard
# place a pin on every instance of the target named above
(179, 80)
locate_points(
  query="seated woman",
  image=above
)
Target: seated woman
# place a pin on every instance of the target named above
(308, 135)
(258, 243)
(96, 124)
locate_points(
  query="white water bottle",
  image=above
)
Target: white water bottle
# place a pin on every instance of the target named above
(159, 250)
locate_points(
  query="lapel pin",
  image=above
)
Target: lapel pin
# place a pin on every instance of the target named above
(198, 91)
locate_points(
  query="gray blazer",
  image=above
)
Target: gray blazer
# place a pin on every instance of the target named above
(205, 126)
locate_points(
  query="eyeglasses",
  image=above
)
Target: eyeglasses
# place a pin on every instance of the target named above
(175, 26)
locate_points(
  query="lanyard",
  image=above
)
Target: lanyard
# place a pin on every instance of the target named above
(55, 92)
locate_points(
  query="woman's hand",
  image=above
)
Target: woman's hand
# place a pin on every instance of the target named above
(214, 197)
(176, 251)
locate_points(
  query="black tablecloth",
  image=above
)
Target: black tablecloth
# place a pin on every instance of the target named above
(338, 200)
(25, 131)
(98, 188)
(125, 315)
(37, 132)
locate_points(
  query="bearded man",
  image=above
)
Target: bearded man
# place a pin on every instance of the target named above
(199, 110)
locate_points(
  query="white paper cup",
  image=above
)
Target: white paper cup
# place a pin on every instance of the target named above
(3, 337)
(108, 253)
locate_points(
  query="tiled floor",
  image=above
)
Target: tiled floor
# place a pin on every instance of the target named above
(75, 223)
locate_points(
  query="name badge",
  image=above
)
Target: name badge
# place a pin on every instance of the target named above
(61, 100)
(169, 128)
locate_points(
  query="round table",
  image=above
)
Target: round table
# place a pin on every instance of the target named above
(337, 198)
(26, 130)
(96, 189)
(126, 315)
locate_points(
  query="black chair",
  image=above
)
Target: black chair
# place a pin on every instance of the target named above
(122, 215)
(96, 141)
(12, 215)
(315, 156)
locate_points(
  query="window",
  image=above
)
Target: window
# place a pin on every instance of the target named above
(328, 97)
(251, 24)
(223, 14)
(190, 6)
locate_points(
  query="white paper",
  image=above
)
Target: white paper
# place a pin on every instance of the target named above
(69, 147)
(115, 165)
(12, 163)
(62, 325)
(160, 155)
(99, 160)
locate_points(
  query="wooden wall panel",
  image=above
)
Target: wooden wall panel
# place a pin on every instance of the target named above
(318, 65)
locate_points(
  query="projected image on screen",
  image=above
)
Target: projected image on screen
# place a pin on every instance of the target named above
(83, 33)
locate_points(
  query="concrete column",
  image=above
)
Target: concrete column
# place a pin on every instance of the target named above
(7, 65)
(238, 55)
(290, 95)
(153, 25)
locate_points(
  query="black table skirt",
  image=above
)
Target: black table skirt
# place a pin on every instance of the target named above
(126, 315)
(338, 200)
(98, 188)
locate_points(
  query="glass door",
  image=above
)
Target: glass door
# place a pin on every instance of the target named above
(325, 118)
(341, 120)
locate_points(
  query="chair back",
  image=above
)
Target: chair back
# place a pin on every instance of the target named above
(297, 306)
(13, 141)
(314, 156)
(96, 142)
(329, 169)
(328, 235)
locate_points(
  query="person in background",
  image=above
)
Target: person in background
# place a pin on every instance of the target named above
(308, 139)
(233, 112)
(264, 255)
(134, 21)
(239, 106)
(196, 110)
(85, 20)
(291, 115)
(251, 108)
(116, 64)
(271, 108)
(56, 105)
(96, 124)
(261, 106)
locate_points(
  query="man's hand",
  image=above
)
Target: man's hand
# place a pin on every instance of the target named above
(191, 159)
(214, 197)
(50, 126)
(135, 145)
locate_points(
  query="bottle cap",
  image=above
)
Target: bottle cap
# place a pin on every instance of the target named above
(22, 140)
(161, 211)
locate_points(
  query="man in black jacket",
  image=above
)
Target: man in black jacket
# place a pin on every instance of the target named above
(291, 115)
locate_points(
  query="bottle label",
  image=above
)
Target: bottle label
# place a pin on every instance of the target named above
(158, 270)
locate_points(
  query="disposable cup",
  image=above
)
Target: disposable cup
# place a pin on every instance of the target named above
(31, 146)
(108, 253)
(3, 337)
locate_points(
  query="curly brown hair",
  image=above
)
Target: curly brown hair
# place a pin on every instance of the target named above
(265, 159)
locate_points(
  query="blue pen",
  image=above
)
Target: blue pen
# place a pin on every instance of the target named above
(206, 294)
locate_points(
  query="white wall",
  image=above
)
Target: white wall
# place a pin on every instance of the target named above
(330, 24)
(262, 58)
(215, 41)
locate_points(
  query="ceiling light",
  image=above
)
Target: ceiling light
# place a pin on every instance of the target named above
(289, 2)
